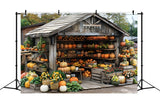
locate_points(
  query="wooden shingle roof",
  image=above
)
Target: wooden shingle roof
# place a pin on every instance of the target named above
(65, 22)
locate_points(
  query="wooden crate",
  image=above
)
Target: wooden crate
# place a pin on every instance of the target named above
(96, 74)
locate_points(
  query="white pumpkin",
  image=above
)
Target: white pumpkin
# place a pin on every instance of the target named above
(63, 88)
(44, 88)
(122, 79)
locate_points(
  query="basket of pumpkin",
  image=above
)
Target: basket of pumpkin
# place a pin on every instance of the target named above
(55, 77)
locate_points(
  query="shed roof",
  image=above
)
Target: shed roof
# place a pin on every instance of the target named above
(65, 22)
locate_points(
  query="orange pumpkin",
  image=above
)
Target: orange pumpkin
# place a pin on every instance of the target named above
(74, 45)
(122, 44)
(96, 46)
(62, 83)
(112, 55)
(102, 55)
(59, 37)
(62, 45)
(111, 37)
(66, 46)
(45, 60)
(84, 46)
(43, 45)
(106, 56)
(70, 46)
(73, 79)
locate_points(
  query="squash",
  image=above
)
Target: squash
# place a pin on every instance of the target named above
(45, 60)
(98, 55)
(67, 69)
(27, 84)
(96, 46)
(102, 55)
(44, 88)
(111, 37)
(73, 79)
(122, 79)
(111, 46)
(112, 55)
(122, 44)
(59, 37)
(62, 46)
(63, 88)
(74, 45)
(30, 78)
(43, 45)
(66, 46)
(106, 56)
(23, 74)
(63, 64)
(70, 46)
(73, 68)
(84, 46)
(62, 83)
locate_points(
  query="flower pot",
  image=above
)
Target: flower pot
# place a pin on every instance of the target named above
(129, 81)
(116, 83)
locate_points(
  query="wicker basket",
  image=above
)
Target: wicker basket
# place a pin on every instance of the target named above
(46, 82)
(54, 86)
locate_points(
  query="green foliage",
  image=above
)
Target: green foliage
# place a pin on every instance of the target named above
(74, 86)
(48, 17)
(32, 18)
(41, 41)
(120, 20)
(25, 22)
(28, 41)
(36, 80)
(23, 80)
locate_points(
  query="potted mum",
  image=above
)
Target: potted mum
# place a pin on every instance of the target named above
(55, 77)
(45, 78)
(129, 76)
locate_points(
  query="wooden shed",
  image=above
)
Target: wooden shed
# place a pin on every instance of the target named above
(83, 24)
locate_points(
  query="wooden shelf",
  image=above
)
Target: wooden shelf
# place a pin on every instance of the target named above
(38, 61)
(86, 40)
(87, 57)
(36, 70)
(64, 49)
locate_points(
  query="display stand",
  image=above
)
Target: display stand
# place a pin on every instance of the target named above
(141, 81)
(16, 81)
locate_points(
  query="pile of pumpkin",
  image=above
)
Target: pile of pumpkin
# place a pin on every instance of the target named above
(105, 56)
(87, 74)
(31, 65)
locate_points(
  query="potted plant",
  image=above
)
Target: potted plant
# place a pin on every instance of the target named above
(41, 44)
(129, 76)
(28, 42)
(109, 74)
(55, 77)
(45, 78)
(36, 83)
(115, 81)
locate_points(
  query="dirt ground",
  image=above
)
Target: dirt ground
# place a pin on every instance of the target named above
(119, 89)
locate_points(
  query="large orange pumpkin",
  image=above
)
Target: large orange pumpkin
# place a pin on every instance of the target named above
(112, 55)
(62, 83)
(70, 46)
(102, 55)
(106, 56)
(73, 79)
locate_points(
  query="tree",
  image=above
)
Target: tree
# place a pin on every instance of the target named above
(45, 17)
(120, 20)
(32, 18)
